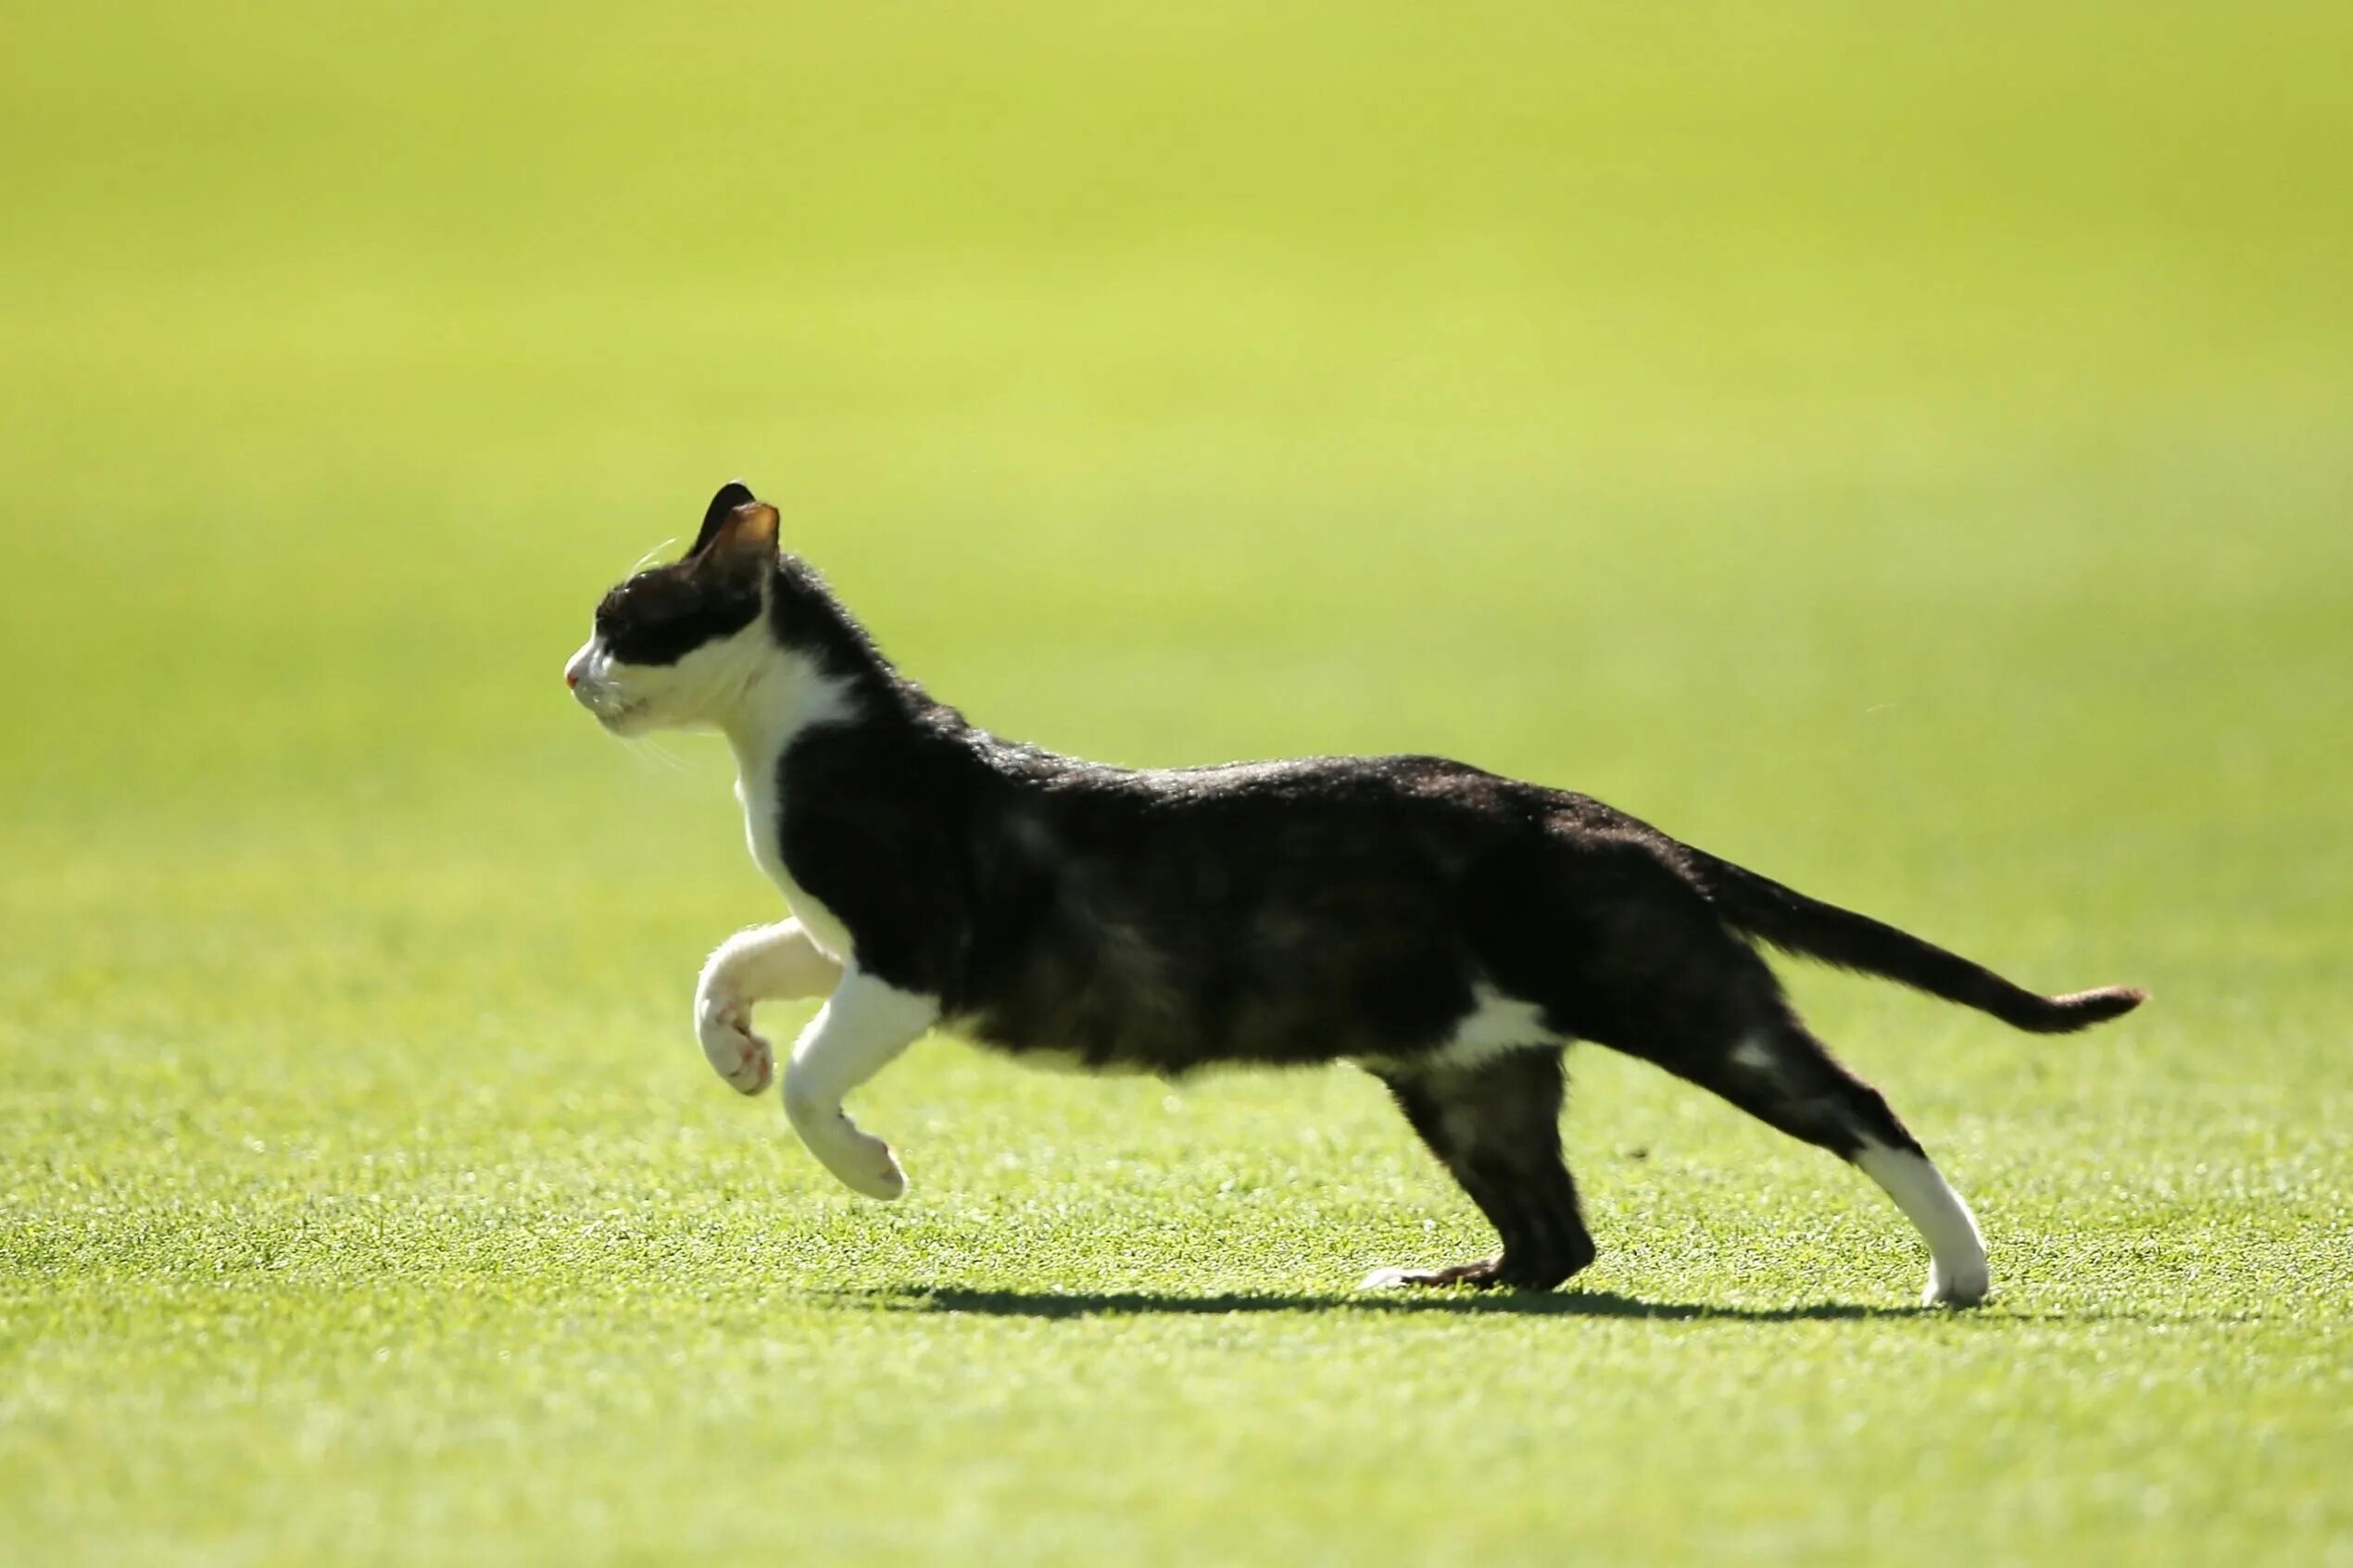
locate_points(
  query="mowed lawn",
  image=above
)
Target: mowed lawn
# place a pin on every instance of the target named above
(1911, 458)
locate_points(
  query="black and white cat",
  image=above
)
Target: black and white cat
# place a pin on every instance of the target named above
(1448, 930)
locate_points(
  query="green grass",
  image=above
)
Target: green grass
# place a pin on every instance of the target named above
(1911, 458)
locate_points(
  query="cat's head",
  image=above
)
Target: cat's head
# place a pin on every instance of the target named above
(681, 645)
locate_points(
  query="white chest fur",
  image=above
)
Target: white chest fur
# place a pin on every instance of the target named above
(780, 699)
(763, 824)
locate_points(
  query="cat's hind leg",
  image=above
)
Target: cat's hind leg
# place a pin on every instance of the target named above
(1656, 976)
(766, 963)
(1495, 1126)
(1780, 1074)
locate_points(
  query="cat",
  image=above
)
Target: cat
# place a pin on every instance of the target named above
(1449, 930)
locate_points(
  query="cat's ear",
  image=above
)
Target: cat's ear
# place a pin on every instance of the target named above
(732, 495)
(745, 537)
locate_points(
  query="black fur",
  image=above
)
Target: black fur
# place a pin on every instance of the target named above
(1497, 1132)
(1301, 912)
(660, 617)
(732, 495)
(1791, 921)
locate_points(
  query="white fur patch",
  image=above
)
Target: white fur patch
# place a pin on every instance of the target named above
(1495, 1024)
(1957, 1275)
(759, 735)
(761, 820)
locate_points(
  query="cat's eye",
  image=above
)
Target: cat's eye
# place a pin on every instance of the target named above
(638, 609)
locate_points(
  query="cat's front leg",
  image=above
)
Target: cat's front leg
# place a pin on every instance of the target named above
(862, 1027)
(766, 963)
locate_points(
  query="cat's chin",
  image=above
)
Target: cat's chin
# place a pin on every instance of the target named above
(628, 720)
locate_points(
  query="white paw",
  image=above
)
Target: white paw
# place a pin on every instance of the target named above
(1963, 1286)
(869, 1169)
(859, 1161)
(1386, 1279)
(729, 1044)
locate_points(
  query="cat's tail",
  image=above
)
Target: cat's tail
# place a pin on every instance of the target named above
(1763, 909)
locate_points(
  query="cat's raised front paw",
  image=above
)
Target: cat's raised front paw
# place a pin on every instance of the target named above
(735, 1051)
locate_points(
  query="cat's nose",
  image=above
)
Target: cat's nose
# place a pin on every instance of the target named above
(572, 677)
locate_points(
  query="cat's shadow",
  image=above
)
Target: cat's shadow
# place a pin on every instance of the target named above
(1509, 1303)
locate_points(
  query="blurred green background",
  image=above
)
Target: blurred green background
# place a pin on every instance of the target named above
(1908, 453)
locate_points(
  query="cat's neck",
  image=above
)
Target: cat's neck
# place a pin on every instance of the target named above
(785, 699)
(817, 667)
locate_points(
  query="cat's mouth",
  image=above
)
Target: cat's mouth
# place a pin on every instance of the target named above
(617, 715)
(607, 707)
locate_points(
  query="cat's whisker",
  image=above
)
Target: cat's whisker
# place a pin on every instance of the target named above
(649, 749)
(650, 556)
